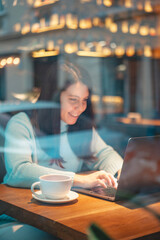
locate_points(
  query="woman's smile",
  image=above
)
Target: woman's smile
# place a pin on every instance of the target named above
(73, 115)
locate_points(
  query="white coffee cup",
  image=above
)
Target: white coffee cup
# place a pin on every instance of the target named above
(53, 186)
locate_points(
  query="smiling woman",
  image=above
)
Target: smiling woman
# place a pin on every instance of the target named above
(59, 140)
(66, 139)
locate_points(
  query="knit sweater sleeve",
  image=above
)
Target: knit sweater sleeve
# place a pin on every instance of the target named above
(107, 158)
(20, 154)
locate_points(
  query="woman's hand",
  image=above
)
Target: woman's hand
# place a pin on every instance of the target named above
(99, 178)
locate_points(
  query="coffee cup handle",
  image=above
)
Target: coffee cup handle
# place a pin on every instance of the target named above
(33, 186)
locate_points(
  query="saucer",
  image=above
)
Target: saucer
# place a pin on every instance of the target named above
(69, 197)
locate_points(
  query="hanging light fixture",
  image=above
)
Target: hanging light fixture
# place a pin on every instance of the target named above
(43, 22)
(119, 51)
(144, 30)
(125, 27)
(97, 21)
(37, 3)
(50, 45)
(16, 60)
(98, 47)
(71, 21)
(130, 51)
(107, 51)
(139, 6)
(30, 2)
(9, 60)
(35, 27)
(148, 6)
(108, 22)
(99, 2)
(54, 20)
(26, 28)
(3, 62)
(133, 29)
(107, 3)
(71, 47)
(113, 27)
(147, 51)
(152, 31)
(85, 23)
(17, 27)
(128, 3)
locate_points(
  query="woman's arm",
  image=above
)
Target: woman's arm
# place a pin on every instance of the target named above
(107, 158)
(21, 154)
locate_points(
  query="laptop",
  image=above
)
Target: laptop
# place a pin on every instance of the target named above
(140, 175)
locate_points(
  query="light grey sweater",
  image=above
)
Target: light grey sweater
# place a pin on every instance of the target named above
(25, 161)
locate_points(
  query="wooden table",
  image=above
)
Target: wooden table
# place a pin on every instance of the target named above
(70, 221)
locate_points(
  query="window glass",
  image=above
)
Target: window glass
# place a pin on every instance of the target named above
(115, 41)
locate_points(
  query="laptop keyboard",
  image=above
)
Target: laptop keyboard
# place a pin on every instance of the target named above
(109, 191)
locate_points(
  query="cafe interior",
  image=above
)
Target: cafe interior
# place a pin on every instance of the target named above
(115, 41)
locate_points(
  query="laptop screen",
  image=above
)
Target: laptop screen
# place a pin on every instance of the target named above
(141, 169)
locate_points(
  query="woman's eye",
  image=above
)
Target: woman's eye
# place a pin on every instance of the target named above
(85, 101)
(76, 101)
(72, 99)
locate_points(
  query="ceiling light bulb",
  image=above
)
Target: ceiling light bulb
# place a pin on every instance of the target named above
(147, 51)
(113, 27)
(107, 3)
(148, 6)
(128, 3)
(107, 51)
(3, 62)
(125, 27)
(134, 28)
(130, 51)
(108, 22)
(119, 51)
(144, 30)
(16, 61)
(9, 60)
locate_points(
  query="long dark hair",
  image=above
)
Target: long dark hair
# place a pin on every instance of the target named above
(80, 133)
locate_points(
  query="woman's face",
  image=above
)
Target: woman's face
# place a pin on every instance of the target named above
(73, 102)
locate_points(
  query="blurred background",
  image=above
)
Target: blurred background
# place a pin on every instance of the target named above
(116, 41)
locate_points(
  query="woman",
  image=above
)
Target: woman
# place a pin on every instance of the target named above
(73, 145)
(53, 141)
